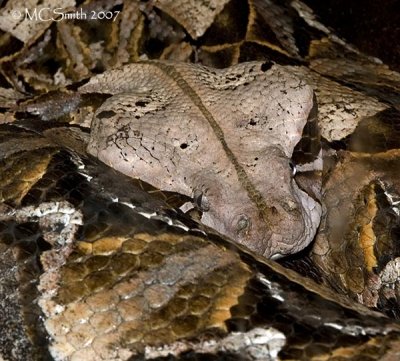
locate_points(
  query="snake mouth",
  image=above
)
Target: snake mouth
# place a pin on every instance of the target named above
(306, 164)
(306, 211)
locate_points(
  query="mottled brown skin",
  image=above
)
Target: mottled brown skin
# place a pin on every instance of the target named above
(314, 328)
(359, 229)
(224, 137)
(118, 281)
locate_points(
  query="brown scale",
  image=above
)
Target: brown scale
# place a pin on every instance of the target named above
(135, 281)
(53, 55)
(48, 53)
(22, 242)
(19, 173)
(357, 239)
(149, 317)
(122, 266)
(376, 134)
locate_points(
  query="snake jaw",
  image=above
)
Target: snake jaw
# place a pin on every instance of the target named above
(271, 232)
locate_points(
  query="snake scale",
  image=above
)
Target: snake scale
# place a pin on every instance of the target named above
(97, 265)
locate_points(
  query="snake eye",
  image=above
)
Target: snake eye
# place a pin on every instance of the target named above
(292, 167)
(243, 224)
(201, 201)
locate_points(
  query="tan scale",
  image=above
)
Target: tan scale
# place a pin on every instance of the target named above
(158, 298)
(367, 236)
(19, 173)
(354, 235)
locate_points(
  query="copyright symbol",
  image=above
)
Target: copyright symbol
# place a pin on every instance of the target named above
(16, 14)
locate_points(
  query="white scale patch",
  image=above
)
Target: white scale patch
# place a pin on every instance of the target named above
(275, 292)
(393, 199)
(155, 215)
(261, 344)
(49, 215)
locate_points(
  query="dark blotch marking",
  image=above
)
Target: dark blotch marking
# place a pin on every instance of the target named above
(266, 66)
(106, 114)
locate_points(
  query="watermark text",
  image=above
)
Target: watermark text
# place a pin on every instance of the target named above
(59, 14)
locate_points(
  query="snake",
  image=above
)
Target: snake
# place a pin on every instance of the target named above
(98, 265)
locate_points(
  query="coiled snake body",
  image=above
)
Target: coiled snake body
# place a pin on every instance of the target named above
(96, 265)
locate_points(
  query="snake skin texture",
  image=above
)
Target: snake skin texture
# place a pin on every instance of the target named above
(130, 278)
(246, 118)
(98, 266)
(372, 234)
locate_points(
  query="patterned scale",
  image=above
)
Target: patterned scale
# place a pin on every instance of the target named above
(96, 266)
(126, 275)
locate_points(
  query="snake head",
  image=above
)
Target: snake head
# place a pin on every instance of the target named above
(284, 221)
(280, 210)
(229, 134)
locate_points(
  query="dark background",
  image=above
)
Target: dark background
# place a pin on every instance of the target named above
(372, 25)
